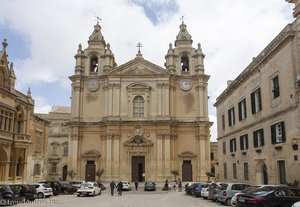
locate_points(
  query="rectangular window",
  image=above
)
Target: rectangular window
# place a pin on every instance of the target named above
(258, 138)
(54, 150)
(244, 142)
(256, 101)
(242, 109)
(53, 168)
(231, 117)
(212, 156)
(246, 171)
(281, 171)
(234, 171)
(38, 143)
(275, 90)
(278, 133)
(225, 170)
(224, 148)
(223, 121)
(65, 150)
(233, 145)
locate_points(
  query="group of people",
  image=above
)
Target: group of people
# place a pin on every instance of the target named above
(179, 182)
(119, 187)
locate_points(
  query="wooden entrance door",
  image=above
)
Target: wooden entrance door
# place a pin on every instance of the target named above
(64, 173)
(187, 170)
(138, 168)
(90, 171)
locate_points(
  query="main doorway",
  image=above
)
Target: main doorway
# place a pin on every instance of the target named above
(90, 170)
(187, 170)
(138, 168)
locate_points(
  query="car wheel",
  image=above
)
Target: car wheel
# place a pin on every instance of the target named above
(78, 195)
(40, 195)
(99, 192)
(228, 202)
(22, 199)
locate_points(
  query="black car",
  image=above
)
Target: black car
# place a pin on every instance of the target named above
(25, 192)
(269, 196)
(67, 188)
(150, 186)
(8, 196)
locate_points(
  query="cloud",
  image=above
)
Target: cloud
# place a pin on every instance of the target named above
(231, 33)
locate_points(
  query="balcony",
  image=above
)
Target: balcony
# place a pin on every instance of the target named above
(21, 140)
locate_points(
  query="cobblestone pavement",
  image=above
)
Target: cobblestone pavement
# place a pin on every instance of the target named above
(132, 198)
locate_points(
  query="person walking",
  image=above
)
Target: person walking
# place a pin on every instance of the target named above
(120, 188)
(179, 185)
(136, 183)
(112, 187)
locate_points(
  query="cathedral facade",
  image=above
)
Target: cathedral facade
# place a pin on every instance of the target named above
(139, 121)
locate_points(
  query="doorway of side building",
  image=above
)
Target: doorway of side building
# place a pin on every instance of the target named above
(261, 172)
(90, 170)
(187, 170)
(138, 168)
(64, 173)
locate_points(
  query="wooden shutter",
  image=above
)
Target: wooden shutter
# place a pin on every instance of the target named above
(262, 137)
(240, 110)
(255, 137)
(283, 131)
(259, 99)
(253, 103)
(273, 133)
(246, 137)
(241, 143)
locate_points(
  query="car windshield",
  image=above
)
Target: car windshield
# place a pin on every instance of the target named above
(223, 186)
(86, 185)
(45, 185)
(262, 191)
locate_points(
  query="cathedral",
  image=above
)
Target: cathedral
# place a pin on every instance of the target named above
(139, 121)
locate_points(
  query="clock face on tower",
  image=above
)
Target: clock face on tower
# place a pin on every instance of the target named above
(185, 84)
(93, 85)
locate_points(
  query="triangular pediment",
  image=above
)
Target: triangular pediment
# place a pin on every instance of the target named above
(139, 67)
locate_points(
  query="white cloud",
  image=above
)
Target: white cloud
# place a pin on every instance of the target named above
(41, 105)
(231, 33)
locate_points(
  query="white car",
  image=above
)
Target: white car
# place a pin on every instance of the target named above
(77, 183)
(43, 190)
(204, 191)
(126, 185)
(297, 204)
(89, 188)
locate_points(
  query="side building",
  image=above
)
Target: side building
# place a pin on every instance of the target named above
(58, 142)
(258, 115)
(20, 130)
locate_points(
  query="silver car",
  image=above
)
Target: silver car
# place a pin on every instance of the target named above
(227, 191)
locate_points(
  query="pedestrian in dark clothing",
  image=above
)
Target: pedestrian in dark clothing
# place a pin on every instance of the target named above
(136, 185)
(120, 188)
(179, 184)
(112, 187)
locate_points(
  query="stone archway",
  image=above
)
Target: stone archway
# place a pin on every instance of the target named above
(261, 172)
(3, 161)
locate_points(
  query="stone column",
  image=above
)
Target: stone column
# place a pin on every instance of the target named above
(202, 157)
(167, 151)
(110, 100)
(159, 155)
(167, 100)
(116, 151)
(106, 101)
(159, 100)
(108, 162)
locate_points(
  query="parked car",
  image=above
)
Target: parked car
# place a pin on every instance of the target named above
(190, 187)
(198, 189)
(213, 190)
(67, 188)
(126, 185)
(25, 192)
(227, 191)
(297, 204)
(247, 190)
(55, 185)
(43, 190)
(150, 186)
(77, 183)
(6, 195)
(204, 191)
(269, 196)
(89, 189)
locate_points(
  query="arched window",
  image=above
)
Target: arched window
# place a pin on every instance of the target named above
(94, 64)
(138, 106)
(184, 63)
(37, 169)
(20, 167)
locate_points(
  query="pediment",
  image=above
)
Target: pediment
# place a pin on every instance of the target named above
(187, 154)
(139, 67)
(91, 153)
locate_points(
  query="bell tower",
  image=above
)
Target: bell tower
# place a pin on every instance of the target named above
(184, 59)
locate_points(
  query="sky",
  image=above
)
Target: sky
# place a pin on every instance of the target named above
(43, 37)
